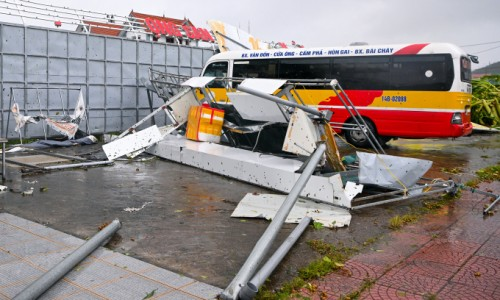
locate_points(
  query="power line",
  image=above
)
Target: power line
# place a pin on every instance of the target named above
(487, 50)
(481, 44)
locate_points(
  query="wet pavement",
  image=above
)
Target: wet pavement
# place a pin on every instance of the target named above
(179, 217)
(29, 250)
(453, 254)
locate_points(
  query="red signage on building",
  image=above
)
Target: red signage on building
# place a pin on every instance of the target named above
(168, 28)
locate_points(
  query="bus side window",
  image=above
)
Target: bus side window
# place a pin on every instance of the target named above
(362, 73)
(259, 68)
(305, 68)
(433, 72)
(219, 70)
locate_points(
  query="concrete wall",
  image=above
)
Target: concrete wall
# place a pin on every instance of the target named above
(107, 69)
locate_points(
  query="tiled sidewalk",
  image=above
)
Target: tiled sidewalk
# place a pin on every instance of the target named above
(454, 254)
(28, 249)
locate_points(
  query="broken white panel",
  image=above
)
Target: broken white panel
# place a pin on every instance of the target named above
(267, 205)
(264, 170)
(3, 188)
(179, 107)
(198, 82)
(268, 86)
(391, 171)
(301, 135)
(255, 108)
(164, 130)
(352, 189)
(132, 142)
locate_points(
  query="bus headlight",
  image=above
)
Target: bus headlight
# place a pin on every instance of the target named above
(456, 118)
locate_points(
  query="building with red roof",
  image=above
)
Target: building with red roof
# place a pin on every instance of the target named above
(150, 28)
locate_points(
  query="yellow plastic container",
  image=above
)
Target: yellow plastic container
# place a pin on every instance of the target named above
(205, 124)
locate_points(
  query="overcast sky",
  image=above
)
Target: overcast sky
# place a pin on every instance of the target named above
(315, 23)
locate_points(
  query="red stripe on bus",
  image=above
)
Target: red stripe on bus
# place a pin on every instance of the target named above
(412, 49)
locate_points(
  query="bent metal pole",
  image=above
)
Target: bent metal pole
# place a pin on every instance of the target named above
(43, 283)
(250, 290)
(264, 243)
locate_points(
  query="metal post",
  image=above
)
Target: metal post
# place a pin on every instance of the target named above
(279, 100)
(262, 247)
(485, 211)
(3, 141)
(44, 282)
(357, 118)
(251, 288)
(77, 165)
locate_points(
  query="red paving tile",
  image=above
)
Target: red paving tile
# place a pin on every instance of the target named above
(456, 291)
(473, 227)
(424, 268)
(446, 252)
(491, 248)
(334, 286)
(411, 282)
(454, 254)
(359, 270)
(380, 292)
(481, 272)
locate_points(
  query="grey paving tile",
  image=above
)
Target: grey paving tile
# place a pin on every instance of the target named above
(25, 224)
(126, 262)
(12, 290)
(176, 295)
(202, 290)
(46, 261)
(132, 287)
(6, 257)
(102, 253)
(17, 271)
(61, 290)
(83, 296)
(92, 272)
(32, 246)
(12, 235)
(166, 277)
(65, 239)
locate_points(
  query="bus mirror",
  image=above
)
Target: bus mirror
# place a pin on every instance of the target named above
(473, 58)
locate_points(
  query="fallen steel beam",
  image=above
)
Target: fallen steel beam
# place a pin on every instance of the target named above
(43, 283)
(267, 238)
(86, 164)
(250, 290)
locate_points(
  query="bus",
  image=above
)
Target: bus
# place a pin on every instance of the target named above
(401, 91)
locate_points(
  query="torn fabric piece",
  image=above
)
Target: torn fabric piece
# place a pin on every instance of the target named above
(67, 128)
(79, 113)
(21, 119)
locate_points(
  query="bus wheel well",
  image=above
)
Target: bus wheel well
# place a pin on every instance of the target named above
(358, 138)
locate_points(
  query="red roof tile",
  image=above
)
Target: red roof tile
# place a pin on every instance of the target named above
(104, 28)
(175, 21)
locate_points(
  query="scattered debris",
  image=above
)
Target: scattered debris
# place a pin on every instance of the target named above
(3, 188)
(266, 205)
(28, 192)
(134, 209)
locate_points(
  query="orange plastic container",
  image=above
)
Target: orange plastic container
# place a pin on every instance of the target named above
(205, 124)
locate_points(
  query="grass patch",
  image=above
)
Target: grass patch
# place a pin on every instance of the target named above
(332, 258)
(491, 173)
(397, 222)
(367, 283)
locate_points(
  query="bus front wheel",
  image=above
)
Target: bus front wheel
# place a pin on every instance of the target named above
(357, 138)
